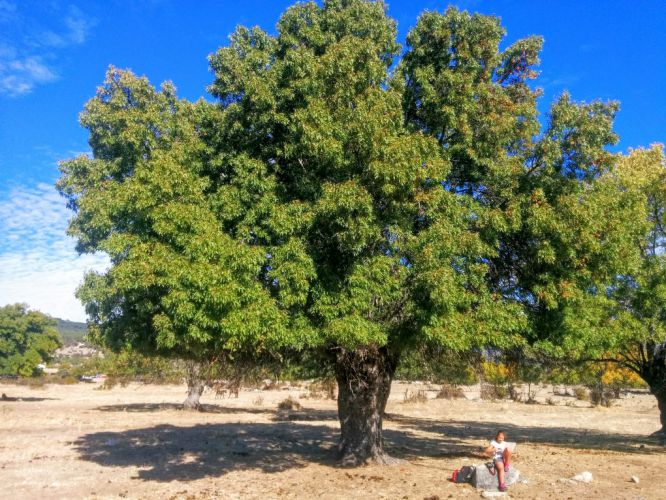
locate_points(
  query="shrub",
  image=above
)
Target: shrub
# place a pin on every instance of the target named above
(38, 382)
(450, 391)
(495, 373)
(600, 395)
(68, 380)
(581, 394)
(493, 391)
(289, 404)
(419, 396)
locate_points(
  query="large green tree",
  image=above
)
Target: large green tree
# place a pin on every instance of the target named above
(546, 200)
(626, 324)
(178, 286)
(331, 202)
(366, 251)
(641, 296)
(27, 338)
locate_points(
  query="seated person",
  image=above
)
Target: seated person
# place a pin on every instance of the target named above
(500, 451)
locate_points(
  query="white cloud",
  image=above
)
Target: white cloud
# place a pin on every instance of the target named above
(26, 45)
(38, 262)
(76, 30)
(20, 76)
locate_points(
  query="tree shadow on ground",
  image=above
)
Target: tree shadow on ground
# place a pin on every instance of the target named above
(302, 415)
(20, 399)
(566, 437)
(157, 407)
(168, 452)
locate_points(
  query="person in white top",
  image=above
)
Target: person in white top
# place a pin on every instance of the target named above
(499, 450)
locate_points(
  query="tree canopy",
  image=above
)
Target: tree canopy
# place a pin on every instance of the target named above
(332, 200)
(27, 339)
(626, 321)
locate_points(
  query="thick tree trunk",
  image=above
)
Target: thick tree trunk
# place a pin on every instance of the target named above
(364, 382)
(195, 385)
(654, 373)
(661, 403)
(658, 390)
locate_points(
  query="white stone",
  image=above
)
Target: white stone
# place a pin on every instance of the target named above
(583, 477)
(635, 479)
(493, 494)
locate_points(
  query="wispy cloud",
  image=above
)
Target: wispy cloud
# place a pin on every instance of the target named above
(30, 42)
(38, 262)
(76, 28)
(19, 77)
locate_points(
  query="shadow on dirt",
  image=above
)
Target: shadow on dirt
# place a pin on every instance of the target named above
(168, 452)
(566, 437)
(302, 415)
(19, 399)
(157, 407)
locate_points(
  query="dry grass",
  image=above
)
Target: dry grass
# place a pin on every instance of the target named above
(493, 392)
(450, 391)
(77, 442)
(412, 397)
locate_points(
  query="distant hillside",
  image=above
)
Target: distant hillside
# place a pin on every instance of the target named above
(72, 332)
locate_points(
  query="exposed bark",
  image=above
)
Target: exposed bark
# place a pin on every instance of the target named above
(661, 403)
(195, 385)
(658, 390)
(653, 371)
(364, 383)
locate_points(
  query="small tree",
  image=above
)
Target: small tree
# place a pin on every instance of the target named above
(27, 338)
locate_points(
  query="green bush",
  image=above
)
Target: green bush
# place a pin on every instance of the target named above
(438, 366)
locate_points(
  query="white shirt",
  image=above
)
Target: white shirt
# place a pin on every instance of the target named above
(498, 454)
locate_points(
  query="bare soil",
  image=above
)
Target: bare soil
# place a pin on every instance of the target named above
(77, 441)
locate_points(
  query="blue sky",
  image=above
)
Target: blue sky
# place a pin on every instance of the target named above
(53, 54)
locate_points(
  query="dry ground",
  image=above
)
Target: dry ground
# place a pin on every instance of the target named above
(82, 442)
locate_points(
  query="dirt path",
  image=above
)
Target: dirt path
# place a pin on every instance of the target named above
(81, 442)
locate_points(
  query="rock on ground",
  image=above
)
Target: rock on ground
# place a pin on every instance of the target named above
(483, 479)
(583, 477)
(493, 494)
